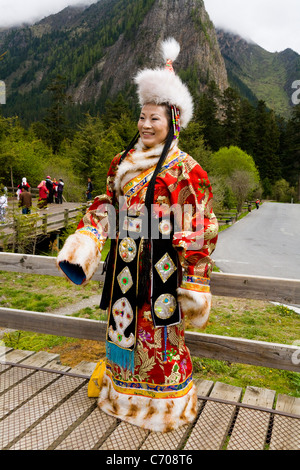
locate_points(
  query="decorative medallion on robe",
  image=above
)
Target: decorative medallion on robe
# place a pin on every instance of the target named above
(165, 267)
(123, 307)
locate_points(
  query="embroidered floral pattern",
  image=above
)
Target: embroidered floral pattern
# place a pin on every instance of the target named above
(161, 358)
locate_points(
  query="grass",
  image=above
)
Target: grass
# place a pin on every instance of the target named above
(244, 318)
(40, 293)
(256, 320)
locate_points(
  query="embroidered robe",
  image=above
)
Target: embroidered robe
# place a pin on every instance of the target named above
(157, 391)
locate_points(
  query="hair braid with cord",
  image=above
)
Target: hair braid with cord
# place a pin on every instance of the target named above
(145, 277)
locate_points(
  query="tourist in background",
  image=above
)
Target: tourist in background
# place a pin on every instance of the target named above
(25, 200)
(23, 184)
(43, 195)
(55, 187)
(49, 186)
(60, 189)
(89, 189)
(3, 206)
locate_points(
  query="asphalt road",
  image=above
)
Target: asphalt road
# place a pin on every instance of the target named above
(264, 243)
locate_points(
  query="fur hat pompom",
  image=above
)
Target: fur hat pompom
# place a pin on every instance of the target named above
(170, 49)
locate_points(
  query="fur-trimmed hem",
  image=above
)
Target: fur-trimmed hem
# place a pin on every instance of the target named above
(154, 414)
(79, 258)
(195, 305)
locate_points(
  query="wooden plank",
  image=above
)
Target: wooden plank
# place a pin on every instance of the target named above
(125, 437)
(11, 355)
(173, 440)
(90, 433)
(16, 355)
(223, 348)
(29, 414)
(252, 426)
(286, 431)
(31, 264)
(52, 427)
(286, 291)
(3, 352)
(213, 424)
(20, 383)
(243, 351)
(48, 323)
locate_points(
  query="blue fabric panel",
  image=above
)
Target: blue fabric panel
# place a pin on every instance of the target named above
(73, 271)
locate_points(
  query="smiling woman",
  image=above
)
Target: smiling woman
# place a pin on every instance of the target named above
(154, 124)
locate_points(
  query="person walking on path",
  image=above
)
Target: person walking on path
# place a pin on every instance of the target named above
(3, 207)
(25, 201)
(21, 186)
(43, 195)
(60, 189)
(89, 190)
(55, 188)
(49, 186)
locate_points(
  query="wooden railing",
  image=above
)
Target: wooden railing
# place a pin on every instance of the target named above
(239, 350)
(34, 225)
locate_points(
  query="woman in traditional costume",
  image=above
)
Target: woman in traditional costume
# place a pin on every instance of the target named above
(158, 214)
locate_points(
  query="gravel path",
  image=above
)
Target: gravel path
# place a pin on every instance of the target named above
(69, 309)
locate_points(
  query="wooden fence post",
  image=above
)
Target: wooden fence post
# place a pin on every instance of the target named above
(66, 217)
(45, 218)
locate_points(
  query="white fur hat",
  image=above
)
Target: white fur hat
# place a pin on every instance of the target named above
(162, 85)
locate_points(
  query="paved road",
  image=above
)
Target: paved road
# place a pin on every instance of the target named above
(264, 243)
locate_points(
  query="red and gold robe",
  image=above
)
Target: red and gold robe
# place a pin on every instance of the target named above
(157, 392)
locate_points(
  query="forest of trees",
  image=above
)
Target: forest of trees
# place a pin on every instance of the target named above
(246, 149)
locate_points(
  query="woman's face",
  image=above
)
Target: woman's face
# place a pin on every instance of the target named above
(153, 125)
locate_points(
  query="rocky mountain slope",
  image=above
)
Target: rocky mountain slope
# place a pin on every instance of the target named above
(99, 49)
(260, 74)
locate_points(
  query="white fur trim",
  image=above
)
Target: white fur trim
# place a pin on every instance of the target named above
(140, 160)
(170, 49)
(155, 414)
(195, 305)
(81, 250)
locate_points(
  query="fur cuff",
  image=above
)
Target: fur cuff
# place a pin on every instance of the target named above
(79, 258)
(195, 305)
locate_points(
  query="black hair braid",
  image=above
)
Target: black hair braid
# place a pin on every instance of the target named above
(145, 277)
(129, 147)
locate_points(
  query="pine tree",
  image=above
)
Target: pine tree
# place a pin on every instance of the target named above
(291, 153)
(57, 126)
(247, 136)
(231, 117)
(207, 112)
(266, 149)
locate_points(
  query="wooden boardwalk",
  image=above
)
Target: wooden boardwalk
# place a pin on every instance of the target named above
(44, 406)
(39, 222)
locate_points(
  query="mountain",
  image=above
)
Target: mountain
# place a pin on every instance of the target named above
(259, 74)
(99, 48)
